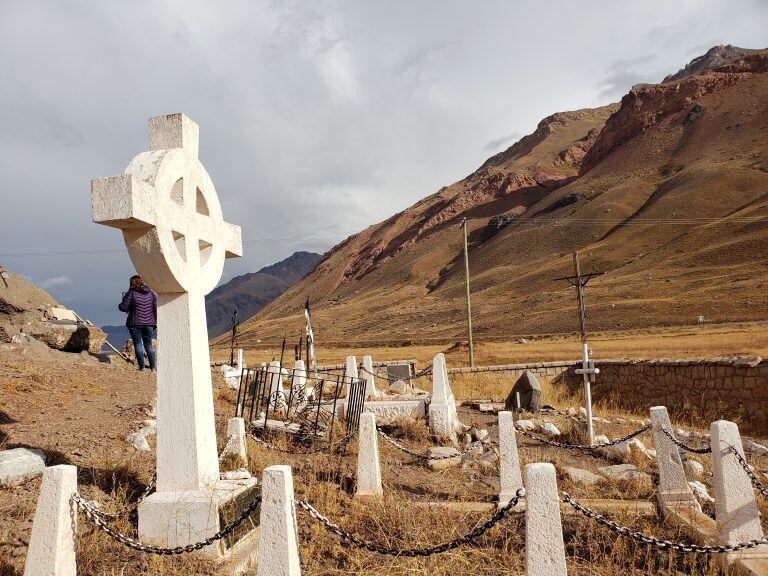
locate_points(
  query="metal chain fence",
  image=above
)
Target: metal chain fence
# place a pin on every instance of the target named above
(93, 515)
(413, 453)
(679, 444)
(656, 542)
(412, 552)
(583, 447)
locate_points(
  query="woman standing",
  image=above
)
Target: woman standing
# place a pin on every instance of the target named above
(141, 305)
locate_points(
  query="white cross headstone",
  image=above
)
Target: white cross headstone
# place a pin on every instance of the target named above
(167, 208)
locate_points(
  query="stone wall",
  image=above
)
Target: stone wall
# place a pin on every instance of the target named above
(711, 388)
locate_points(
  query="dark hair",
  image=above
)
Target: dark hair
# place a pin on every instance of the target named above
(136, 281)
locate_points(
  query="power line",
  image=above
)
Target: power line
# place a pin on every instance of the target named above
(531, 221)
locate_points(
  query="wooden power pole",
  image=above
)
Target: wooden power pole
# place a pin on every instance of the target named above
(469, 301)
(587, 369)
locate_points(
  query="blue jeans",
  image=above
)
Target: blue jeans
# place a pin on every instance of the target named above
(139, 335)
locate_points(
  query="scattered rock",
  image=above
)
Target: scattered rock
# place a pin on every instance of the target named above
(528, 425)
(398, 387)
(616, 453)
(627, 473)
(147, 431)
(700, 492)
(693, 469)
(583, 477)
(18, 464)
(240, 474)
(549, 429)
(571, 411)
(601, 439)
(138, 441)
(755, 448)
(442, 453)
(467, 439)
(640, 450)
(482, 435)
(474, 448)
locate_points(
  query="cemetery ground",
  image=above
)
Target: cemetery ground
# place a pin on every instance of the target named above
(79, 411)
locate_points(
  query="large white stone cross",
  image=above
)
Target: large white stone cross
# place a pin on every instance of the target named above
(169, 213)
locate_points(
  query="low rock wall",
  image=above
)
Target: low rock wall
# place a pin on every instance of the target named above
(712, 388)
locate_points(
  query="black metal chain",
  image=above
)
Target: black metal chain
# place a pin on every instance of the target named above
(412, 552)
(425, 372)
(751, 473)
(93, 515)
(679, 444)
(656, 542)
(413, 453)
(583, 447)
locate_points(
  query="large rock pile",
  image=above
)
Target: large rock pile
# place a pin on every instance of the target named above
(26, 309)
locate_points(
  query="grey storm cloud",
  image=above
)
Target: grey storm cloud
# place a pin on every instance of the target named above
(316, 119)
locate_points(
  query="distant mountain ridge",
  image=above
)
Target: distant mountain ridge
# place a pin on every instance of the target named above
(664, 192)
(250, 292)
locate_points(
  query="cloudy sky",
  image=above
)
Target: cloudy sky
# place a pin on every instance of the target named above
(316, 118)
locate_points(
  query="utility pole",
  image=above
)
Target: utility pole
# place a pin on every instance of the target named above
(234, 323)
(587, 369)
(469, 302)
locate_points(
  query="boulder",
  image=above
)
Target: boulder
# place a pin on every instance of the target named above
(627, 473)
(19, 464)
(68, 336)
(58, 313)
(528, 391)
(583, 477)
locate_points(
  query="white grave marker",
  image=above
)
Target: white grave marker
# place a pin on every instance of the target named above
(167, 208)
(278, 536)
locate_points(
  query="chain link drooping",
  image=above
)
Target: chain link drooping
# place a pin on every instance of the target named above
(583, 447)
(679, 444)
(426, 372)
(656, 542)
(94, 516)
(751, 473)
(412, 552)
(413, 453)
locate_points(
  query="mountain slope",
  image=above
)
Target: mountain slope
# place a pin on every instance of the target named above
(662, 192)
(249, 293)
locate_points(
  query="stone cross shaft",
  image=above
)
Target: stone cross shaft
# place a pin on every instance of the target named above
(167, 208)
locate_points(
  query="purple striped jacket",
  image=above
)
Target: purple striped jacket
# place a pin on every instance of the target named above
(141, 305)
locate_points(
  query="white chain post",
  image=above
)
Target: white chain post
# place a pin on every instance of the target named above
(736, 511)
(510, 478)
(544, 547)
(368, 465)
(54, 530)
(673, 485)
(278, 536)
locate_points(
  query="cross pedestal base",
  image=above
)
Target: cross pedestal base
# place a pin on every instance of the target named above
(171, 519)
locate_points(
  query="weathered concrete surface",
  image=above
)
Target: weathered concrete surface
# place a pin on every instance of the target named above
(673, 484)
(544, 547)
(368, 464)
(389, 411)
(510, 477)
(278, 537)
(52, 543)
(736, 511)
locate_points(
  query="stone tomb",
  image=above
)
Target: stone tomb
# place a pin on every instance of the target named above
(390, 408)
(166, 206)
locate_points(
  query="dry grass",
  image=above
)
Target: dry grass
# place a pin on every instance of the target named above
(397, 520)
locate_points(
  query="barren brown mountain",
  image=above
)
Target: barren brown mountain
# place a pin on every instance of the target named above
(665, 192)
